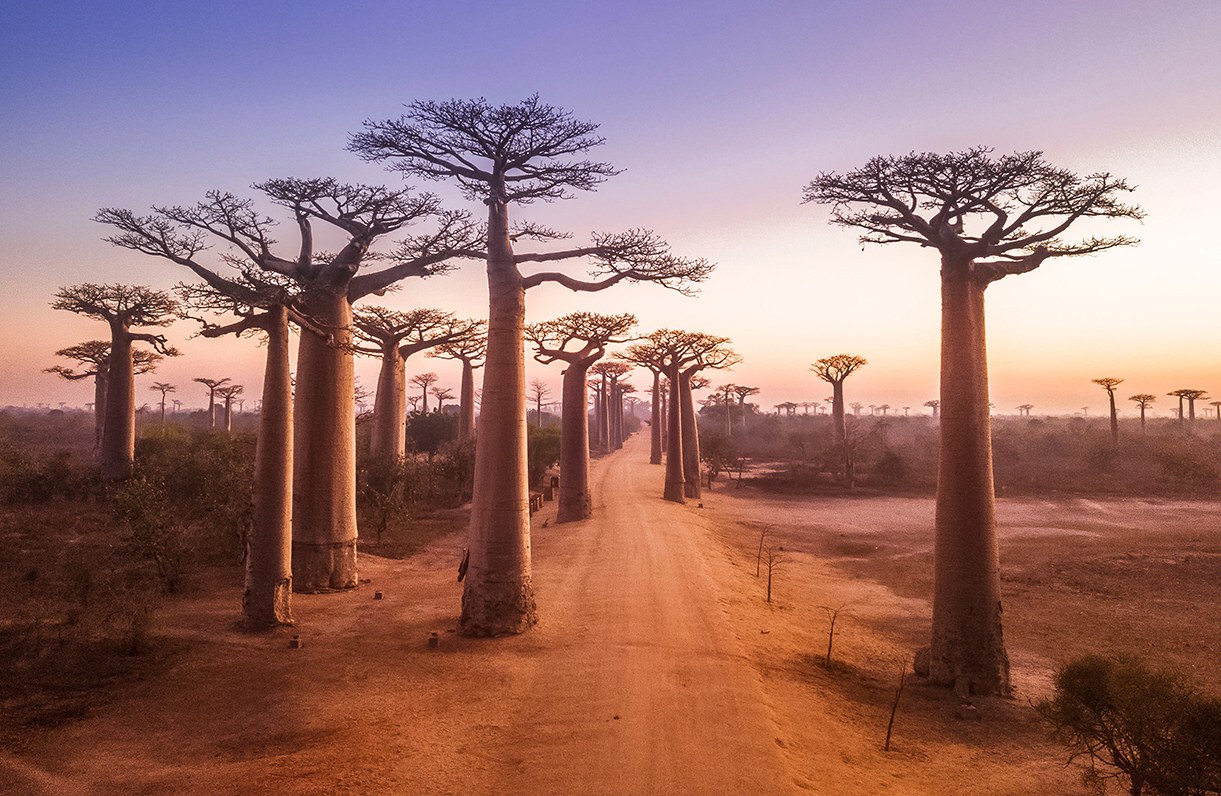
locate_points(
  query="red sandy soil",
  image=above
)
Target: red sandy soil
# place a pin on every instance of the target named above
(657, 667)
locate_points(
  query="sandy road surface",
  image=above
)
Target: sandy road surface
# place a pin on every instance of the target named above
(643, 688)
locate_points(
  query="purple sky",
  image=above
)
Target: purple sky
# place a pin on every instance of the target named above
(718, 114)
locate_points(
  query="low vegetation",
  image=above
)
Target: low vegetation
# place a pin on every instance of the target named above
(1128, 722)
(1031, 456)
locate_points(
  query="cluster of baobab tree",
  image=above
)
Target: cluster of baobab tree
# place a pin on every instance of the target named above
(304, 528)
(1144, 399)
(987, 218)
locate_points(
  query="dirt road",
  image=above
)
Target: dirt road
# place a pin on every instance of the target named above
(643, 687)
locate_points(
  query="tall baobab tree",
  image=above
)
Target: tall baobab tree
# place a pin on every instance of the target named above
(324, 524)
(539, 392)
(1191, 396)
(579, 340)
(442, 394)
(988, 218)
(934, 405)
(95, 356)
(470, 351)
(1024, 410)
(834, 370)
(1143, 399)
(667, 351)
(260, 304)
(229, 392)
(610, 432)
(743, 393)
(1216, 405)
(424, 381)
(503, 156)
(654, 360)
(395, 337)
(1109, 384)
(163, 387)
(726, 390)
(123, 308)
(213, 385)
(681, 355)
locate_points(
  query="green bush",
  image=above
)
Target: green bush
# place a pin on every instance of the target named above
(188, 500)
(1130, 722)
(27, 480)
(542, 451)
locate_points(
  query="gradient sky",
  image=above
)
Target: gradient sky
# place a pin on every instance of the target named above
(718, 114)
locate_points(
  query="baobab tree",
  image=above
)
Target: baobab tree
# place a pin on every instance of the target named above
(395, 337)
(539, 392)
(579, 340)
(442, 394)
(95, 356)
(725, 391)
(1109, 384)
(1024, 410)
(163, 387)
(608, 414)
(469, 350)
(653, 359)
(1191, 396)
(743, 393)
(681, 355)
(667, 351)
(260, 305)
(988, 218)
(229, 392)
(123, 308)
(856, 406)
(934, 405)
(1142, 399)
(213, 385)
(424, 381)
(834, 370)
(502, 156)
(324, 524)
(1216, 405)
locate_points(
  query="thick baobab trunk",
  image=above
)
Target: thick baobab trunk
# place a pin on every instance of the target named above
(574, 502)
(1114, 419)
(498, 594)
(228, 416)
(390, 406)
(466, 407)
(603, 416)
(675, 482)
(655, 420)
(837, 412)
(267, 599)
(324, 448)
(119, 429)
(691, 440)
(99, 405)
(968, 649)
